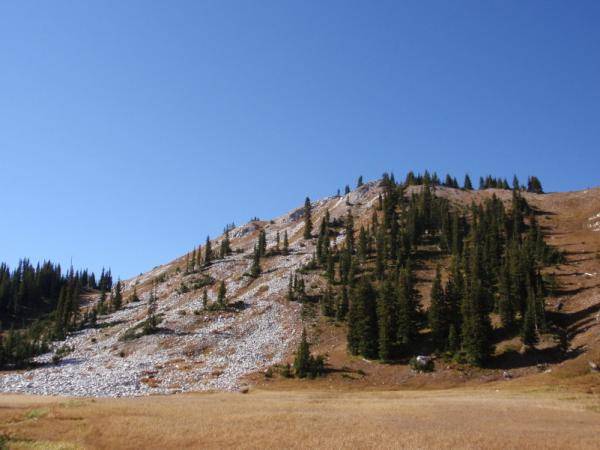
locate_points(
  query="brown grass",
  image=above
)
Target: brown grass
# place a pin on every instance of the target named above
(306, 419)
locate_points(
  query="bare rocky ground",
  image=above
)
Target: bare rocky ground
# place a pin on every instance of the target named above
(195, 350)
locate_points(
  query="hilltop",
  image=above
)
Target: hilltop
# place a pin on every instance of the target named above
(196, 347)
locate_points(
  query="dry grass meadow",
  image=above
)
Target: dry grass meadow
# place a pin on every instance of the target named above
(460, 418)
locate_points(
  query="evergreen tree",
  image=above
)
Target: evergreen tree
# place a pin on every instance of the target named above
(262, 243)
(118, 297)
(437, 314)
(476, 327)
(505, 300)
(327, 302)
(255, 268)
(534, 185)
(208, 254)
(204, 299)
(386, 315)
(529, 331)
(341, 309)
(151, 322)
(359, 183)
(408, 309)
(225, 245)
(467, 185)
(221, 295)
(302, 359)
(286, 244)
(307, 219)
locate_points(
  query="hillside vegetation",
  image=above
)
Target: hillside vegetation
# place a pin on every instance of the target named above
(498, 283)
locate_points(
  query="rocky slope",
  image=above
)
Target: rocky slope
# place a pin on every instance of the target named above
(203, 350)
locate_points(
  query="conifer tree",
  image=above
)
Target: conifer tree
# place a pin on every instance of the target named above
(437, 315)
(529, 331)
(467, 185)
(208, 254)
(341, 309)
(262, 243)
(359, 183)
(363, 245)
(225, 245)
(286, 244)
(476, 327)
(366, 297)
(307, 219)
(221, 295)
(302, 359)
(386, 315)
(408, 308)
(151, 322)
(350, 232)
(204, 299)
(346, 190)
(118, 297)
(277, 242)
(327, 302)
(255, 268)
(505, 300)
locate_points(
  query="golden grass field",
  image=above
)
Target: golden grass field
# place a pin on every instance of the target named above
(460, 418)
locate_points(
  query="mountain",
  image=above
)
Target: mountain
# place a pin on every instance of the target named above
(198, 345)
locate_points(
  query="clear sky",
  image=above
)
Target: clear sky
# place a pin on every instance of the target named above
(129, 130)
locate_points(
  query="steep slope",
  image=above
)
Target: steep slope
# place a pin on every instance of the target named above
(194, 349)
(198, 349)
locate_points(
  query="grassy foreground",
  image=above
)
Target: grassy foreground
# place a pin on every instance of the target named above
(305, 419)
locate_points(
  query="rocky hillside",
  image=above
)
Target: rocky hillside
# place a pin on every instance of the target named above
(196, 348)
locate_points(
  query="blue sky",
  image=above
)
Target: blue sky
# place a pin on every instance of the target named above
(131, 130)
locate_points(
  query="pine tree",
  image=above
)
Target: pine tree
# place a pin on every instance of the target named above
(221, 295)
(359, 183)
(151, 322)
(505, 300)
(307, 219)
(476, 328)
(341, 309)
(277, 242)
(204, 299)
(437, 315)
(225, 245)
(346, 190)
(534, 185)
(467, 185)
(302, 359)
(355, 316)
(408, 308)
(350, 232)
(286, 244)
(366, 297)
(327, 302)
(529, 331)
(262, 243)
(363, 245)
(386, 315)
(208, 254)
(255, 268)
(118, 297)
